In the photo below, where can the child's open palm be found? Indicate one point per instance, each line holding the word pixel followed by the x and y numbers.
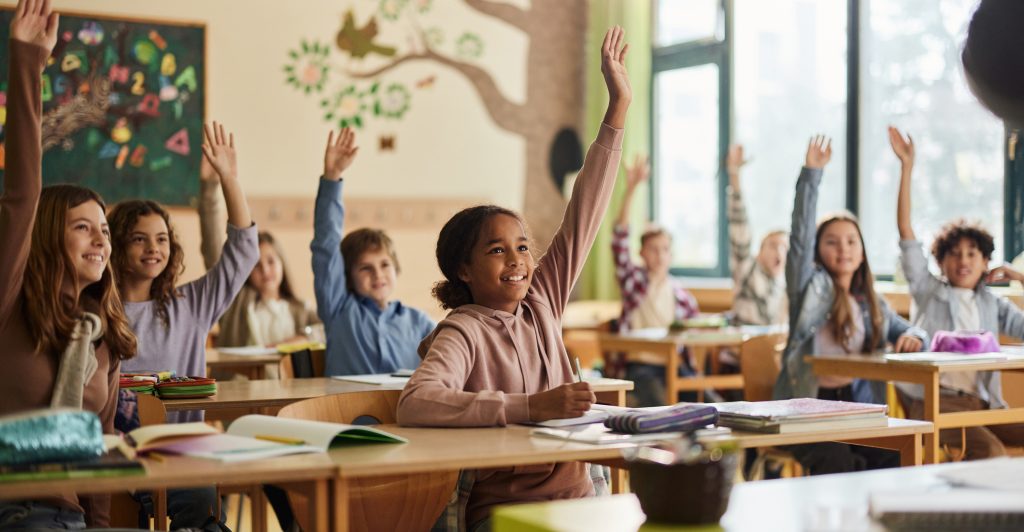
pixel 219 149
pixel 819 152
pixel 34 22
pixel 638 172
pixel 339 153
pixel 613 65
pixel 902 147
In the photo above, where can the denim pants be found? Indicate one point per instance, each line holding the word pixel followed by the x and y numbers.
pixel 30 515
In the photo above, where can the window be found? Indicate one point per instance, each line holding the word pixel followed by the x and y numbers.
pixel 910 75
pixel 788 69
pixel 789 63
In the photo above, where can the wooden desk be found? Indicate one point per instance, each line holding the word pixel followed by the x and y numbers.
pixel 876 367
pixel 252 366
pixel 701 343
pixel 310 473
pixel 263 394
pixel 825 502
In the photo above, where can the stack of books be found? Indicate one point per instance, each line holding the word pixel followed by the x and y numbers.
pixel 800 415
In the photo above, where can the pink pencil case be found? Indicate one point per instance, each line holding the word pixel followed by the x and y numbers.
pixel 966 342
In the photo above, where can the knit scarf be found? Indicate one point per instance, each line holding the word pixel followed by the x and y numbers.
pixel 77 363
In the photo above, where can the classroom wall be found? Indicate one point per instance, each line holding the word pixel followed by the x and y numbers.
pixel 448 152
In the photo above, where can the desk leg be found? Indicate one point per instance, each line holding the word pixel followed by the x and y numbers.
pixel 931 413
pixel 672 375
pixel 318 508
pixel 160 510
pixel 614 398
pixel 339 494
pixel 620 480
pixel 909 447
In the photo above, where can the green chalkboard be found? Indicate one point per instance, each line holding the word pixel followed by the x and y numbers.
pixel 123 106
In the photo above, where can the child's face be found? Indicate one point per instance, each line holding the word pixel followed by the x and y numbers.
pixel 266 277
pixel 501 267
pixel 772 256
pixel 656 253
pixel 841 249
pixel 149 247
pixel 964 265
pixel 374 276
pixel 87 241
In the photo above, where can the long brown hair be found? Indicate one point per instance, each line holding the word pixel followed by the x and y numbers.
pixel 123 218
pixel 285 290
pixel 49 311
pixel 861 286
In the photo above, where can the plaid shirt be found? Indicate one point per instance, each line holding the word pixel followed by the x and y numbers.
pixel 633 283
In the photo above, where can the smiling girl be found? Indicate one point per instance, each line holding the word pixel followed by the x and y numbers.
pixel 498 356
pixel 62 326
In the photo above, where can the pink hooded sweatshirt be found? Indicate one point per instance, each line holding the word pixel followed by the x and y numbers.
pixel 480 365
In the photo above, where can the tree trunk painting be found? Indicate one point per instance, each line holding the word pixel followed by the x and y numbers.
pixel 553 109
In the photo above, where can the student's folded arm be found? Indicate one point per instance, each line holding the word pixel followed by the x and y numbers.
pixel 435 395
pixel 800 258
pixel 23 181
pixel 921 282
pixel 213 293
pixel 211 222
pixel 328 264
pixel 739 236
pixel 560 266
pixel 1011 318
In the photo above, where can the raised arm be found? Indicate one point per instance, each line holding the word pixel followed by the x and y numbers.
pixel 219 148
pixel 636 174
pixel 904 149
pixel 559 268
pixel 328 217
pixel 211 214
pixel 33 35
pixel 800 259
pixel 736 212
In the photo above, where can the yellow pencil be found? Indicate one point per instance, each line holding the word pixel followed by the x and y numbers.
pixel 156 456
pixel 280 439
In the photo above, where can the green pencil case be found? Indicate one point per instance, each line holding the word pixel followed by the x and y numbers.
pixel 50 435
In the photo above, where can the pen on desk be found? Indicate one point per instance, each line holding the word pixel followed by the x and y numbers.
pixel 280 439
pixel 579 370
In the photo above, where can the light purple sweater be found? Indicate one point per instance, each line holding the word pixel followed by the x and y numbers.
pixel 181 346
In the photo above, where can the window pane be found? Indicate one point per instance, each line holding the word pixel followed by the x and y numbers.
pixel 912 78
pixel 686 156
pixel 789 83
pixel 686 20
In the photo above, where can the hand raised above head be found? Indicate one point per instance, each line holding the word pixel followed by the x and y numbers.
pixel 339 153
pixel 34 22
pixel 819 152
pixel 219 149
pixel 638 172
pixel 902 147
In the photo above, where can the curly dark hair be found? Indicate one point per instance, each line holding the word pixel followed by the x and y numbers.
pixel 955 231
pixel 454 248
pixel 122 220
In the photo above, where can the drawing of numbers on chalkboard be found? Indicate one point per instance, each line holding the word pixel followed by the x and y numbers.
pixel 123 106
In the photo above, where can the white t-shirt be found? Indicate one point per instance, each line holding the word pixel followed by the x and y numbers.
pixel 966 319
pixel 270 322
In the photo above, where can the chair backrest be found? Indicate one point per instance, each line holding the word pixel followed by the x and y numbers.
pixel 302 364
pixel 397 502
pixel 151 410
pixel 760 362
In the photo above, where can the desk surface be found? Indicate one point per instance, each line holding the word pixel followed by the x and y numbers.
pixel 278 393
pixel 182 472
pixel 896 427
pixel 724 336
pixel 823 363
pixel 826 502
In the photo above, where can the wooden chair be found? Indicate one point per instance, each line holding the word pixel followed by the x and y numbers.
pixel 583 344
pixel 397 502
pixel 302 364
pixel 760 363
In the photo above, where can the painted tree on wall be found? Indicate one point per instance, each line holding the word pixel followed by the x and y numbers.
pixel 552 113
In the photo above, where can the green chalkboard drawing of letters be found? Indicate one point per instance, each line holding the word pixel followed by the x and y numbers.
pixel 123 106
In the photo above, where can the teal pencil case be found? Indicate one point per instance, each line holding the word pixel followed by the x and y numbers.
pixel 50 435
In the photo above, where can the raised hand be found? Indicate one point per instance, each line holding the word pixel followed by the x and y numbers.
pixel 565 401
pixel 1002 274
pixel 613 66
pixel 908 344
pixel 34 22
pixel 638 172
pixel 219 149
pixel 819 152
pixel 339 153
pixel 734 160
pixel 206 172
pixel 902 147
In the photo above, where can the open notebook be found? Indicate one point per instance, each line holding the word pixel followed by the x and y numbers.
pixel 255 436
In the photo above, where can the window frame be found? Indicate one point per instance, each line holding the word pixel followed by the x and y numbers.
pixel 710 50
